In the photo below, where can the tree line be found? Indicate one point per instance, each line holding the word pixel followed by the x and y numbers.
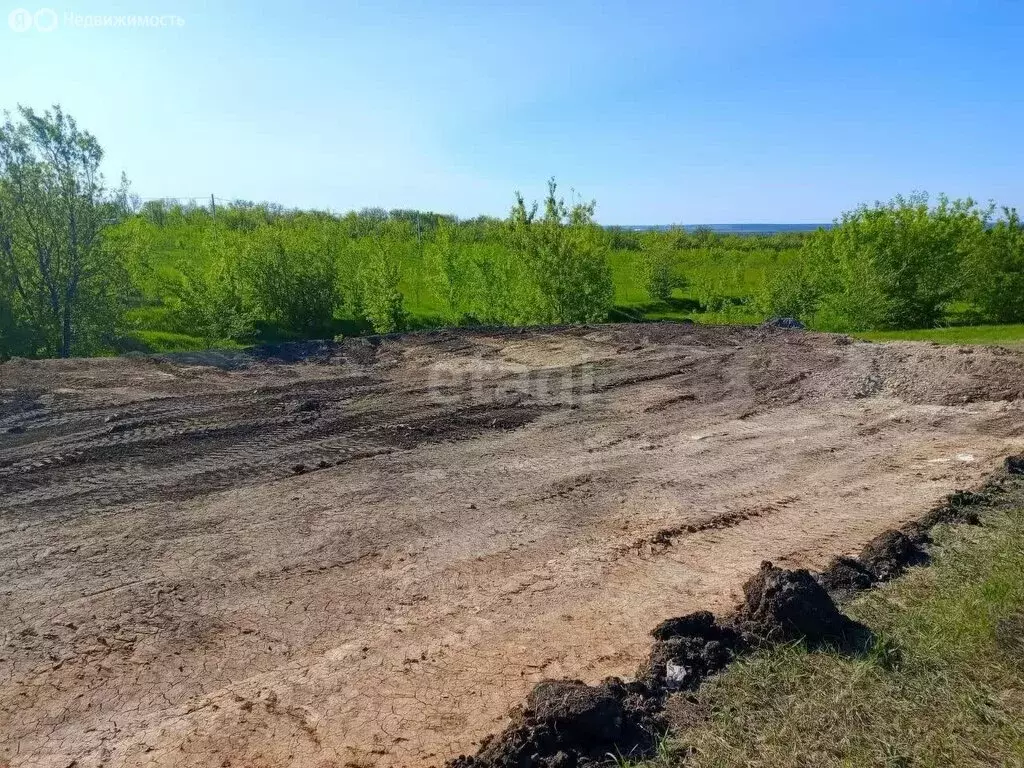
pixel 83 265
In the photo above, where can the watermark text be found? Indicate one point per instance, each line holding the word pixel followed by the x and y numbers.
pixel 48 20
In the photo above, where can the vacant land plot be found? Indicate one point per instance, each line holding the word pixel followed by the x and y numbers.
pixel 364 553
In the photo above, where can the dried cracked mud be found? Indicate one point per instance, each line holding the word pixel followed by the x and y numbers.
pixel 363 554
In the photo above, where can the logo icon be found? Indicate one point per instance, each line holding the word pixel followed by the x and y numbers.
pixel 46 19
pixel 20 20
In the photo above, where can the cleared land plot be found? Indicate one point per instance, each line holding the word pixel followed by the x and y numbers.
pixel 495 508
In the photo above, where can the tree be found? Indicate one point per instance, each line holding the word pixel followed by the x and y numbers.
pixel 378 278
pixel 208 293
pixel 293 270
pixel 451 271
pixel 995 271
pixel 790 291
pixel 659 265
pixel 893 265
pixel 62 279
pixel 562 264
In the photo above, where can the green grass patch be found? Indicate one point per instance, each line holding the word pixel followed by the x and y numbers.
pixel 165 341
pixel 942 686
pixel 969 334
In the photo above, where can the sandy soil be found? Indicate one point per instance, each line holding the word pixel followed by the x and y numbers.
pixel 493 509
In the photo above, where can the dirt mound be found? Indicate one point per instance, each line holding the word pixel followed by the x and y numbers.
pixel 687 650
pixel 699 623
pixel 567 723
pixel 782 605
pixel 790 323
pixel 888 555
pixel 845 574
pixel 959 509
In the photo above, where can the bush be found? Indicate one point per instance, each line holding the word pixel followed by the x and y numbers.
pixel 659 266
pixel 996 271
pixel 378 277
pixel 894 265
pixel 206 294
pixel 453 274
pixel 292 274
pixel 559 266
pixel 790 291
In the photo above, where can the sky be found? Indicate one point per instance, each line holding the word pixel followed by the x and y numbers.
pixel 674 111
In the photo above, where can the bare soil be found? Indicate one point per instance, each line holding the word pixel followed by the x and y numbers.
pixel 363 554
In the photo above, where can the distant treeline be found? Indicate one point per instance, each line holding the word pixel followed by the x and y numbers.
pixel 86 270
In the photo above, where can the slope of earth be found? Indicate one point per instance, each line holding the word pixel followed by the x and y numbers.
pixel 364 553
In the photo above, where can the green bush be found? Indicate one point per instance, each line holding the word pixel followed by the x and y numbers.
pixel 292 275
pixel 996 271
pixel 560 270
pixel 790 291
pixel 660 265
pixel 893 265
pixel 453 273
pixel 378 277
pixel 206 294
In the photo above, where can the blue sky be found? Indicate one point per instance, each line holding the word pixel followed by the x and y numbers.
pixel 685 111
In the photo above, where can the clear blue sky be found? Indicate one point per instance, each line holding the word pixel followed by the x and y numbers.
pixel 669 111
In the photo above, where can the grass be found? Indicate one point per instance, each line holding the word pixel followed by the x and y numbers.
pixel 160 342
pixel 970 334
pixel 942 686
pixel 732 277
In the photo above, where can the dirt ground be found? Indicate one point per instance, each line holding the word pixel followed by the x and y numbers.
pixel 362 554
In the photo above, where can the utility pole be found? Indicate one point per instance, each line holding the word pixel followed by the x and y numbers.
pixel 213 206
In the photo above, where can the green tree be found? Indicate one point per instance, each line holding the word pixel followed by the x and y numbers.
pixel 791 290
pixel 893 265
pixel 451 270
pixel 996 271
pixel 64 283
pixel 208 292
pixel 561 273
pixel 660 265
pixel 293 273
pixel 378 278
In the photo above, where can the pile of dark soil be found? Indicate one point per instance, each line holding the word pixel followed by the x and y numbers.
pixel 790 323
pixel 959 509
pixel 569 724
pixel 885 557
pixel 890 554
pixel 783 606
pixel 846 574
pixel 687 650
